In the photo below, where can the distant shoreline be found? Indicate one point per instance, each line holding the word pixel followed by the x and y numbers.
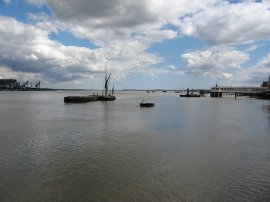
pixel 63 89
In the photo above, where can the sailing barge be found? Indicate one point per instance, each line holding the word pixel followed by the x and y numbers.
pixel 106 96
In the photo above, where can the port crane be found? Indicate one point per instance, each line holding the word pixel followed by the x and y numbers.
pixel 37 85
pixel 24 84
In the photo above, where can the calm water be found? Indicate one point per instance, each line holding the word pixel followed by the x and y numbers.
pixel 183 149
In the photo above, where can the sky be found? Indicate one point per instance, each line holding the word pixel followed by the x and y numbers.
pixel 149 44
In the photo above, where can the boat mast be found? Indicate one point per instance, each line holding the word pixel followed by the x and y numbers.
pixel 106 82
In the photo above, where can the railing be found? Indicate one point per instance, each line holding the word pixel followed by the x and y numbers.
pixel 243 90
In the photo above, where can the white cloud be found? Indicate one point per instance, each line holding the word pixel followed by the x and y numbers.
pixel 27 48
pixel 265 62
pixel 253 76
pixel 230 23
pixel 7 1
pixel 122 13
pixel 102 21
pixel 6 72
pixel 36 2
pixel 124 30
pixel 217 62
pixel 260 72
pixel 154 72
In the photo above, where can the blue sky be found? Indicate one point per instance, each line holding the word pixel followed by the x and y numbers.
pixel 149 44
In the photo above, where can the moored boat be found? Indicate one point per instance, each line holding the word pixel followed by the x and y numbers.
pixel 146 104
pixel 187 94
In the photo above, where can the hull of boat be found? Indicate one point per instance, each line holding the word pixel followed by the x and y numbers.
pixel 107 98
pixel 147 104
pixel 80 99
pixel 189 95
pixel 88 98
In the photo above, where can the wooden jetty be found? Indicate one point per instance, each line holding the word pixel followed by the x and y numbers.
pixel 218 91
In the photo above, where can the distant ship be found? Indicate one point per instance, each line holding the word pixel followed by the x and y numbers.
pixel 187 94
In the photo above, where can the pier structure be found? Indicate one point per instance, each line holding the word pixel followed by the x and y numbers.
pixel 218 91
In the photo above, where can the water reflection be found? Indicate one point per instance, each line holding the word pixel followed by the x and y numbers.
pixel 266 108
pixel 181 150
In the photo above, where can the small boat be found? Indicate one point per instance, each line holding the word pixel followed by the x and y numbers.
pixel 146 104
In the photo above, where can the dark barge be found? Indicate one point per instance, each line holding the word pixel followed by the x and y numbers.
pixel 88 98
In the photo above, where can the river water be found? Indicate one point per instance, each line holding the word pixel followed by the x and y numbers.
pixel 183 149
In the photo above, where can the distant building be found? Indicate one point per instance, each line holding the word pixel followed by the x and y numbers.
pixel 8 83
pixel 266 83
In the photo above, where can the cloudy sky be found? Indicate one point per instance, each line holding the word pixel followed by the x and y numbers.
pixel 169 44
